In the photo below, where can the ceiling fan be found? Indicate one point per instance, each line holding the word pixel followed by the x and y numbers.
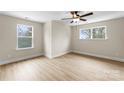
pixel 76 17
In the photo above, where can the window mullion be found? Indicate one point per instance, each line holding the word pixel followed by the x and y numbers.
pixel 91 33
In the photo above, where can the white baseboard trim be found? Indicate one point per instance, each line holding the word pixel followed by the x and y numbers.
pixel 100 56
pixel 60 54
pixel 19 59
pixel 48 56
pixel 31 56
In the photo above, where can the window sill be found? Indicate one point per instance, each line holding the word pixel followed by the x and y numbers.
pixel 94 39
pixel 24 48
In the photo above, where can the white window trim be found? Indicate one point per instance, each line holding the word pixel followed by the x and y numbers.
pixel 106 37
pixel 26 37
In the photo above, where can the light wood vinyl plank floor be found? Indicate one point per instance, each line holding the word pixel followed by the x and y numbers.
pixel 65 68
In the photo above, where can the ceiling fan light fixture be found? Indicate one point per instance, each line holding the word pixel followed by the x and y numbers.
pixel 76 20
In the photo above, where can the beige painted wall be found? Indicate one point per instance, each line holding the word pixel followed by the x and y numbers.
pixel 112 47
pixel 61 38
pixel 57 37
pixel 8 38
pixel 47 39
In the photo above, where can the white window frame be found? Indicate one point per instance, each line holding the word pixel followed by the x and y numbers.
pixel 17 48
pixel 106 37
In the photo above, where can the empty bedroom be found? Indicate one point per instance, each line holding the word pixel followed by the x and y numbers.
pixel 61 45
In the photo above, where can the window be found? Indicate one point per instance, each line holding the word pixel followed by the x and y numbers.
pixel 24 36
pixel 85 33
pixel 99 33
pixel 94 33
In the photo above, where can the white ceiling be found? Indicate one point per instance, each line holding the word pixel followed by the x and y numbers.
pixel 43 16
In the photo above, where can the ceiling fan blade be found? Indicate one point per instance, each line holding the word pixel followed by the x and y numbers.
pixel 91 13
pixel 71 21
pixel 76 12
pixel 83 19
pixel 78 15
pixel 66 18
pixel 72 12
